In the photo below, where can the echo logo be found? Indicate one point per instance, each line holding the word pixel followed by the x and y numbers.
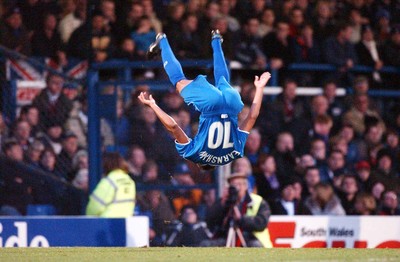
pixel 21 238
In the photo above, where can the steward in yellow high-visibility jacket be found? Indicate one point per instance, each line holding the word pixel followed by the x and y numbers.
pixel 114 196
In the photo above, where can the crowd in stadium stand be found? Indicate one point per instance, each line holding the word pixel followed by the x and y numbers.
pixel 319 155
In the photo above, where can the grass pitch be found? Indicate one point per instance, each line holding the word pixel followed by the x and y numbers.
pixel 196 254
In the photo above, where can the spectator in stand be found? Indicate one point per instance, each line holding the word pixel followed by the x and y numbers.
pixel 364 176
pixel 391 52
pixel 64 165
pixel 253 146
pixel 382 26
pixel 377 190
pixel 53 105
pixel 284 155
pixel 323 21
pixel 356 22
pixel 318 151
pixel 278 46
pixel 336 106
pixel 122 126
pixel 267 22
pixel 127 51
pixel 187 44
pixel 267 179
pixel 52 136
pixel 48 161
pixel 150 173
pixel 181 197
pixel 365 204
pixel 143 36
pixel 369 146
pixel 390 204
pixel 73 20
pixel 287 204
pixel 78 124
pixel 392 144
pixel 221 23
pixel 172 102
pixel 157 205
pixel 296 18
pixel 80 162
pixel 131 22
pixel 233 24
pixel 243 165
pixel 32 156
pixel 335 167
pixel 321 127
pixel 148 10
pixel 13 33
pixel 136 158
pixel 4 132
pixel 339 51
pixel 305 161
pixel 384 171
pixel 359 113
pixel 346 132
pixel 369 53
pixel 175 12
pixel 248 50
pixel 100 36
pixel 324 201
pixel 30 114
pixel 81 180
pixel 13 150
pixel 347 193
pixel 46 41
pixel 190 232
pixel 22 134
pixel 311 179
pixel 107 8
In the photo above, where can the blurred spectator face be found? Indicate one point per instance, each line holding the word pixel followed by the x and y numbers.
pixel 396 38
pixel 318 149
pixel 184 118
pixel 14 21
pixel 128 45
pixel 48 159
pixel 54 132
pixel 193 6
pixel 306 161
pixel 209 197
pixel 377 190
pixel 330 91
pixel 22 131
pixel 177 11
pixel 224 7
pixel 252 26
pixel 374 135
pixel 323 10
pixel 392 140
pixel 97 23
pixel 269 165
pixel 242 165
pixel 154 197
pixel 32 116
pixel 221 24
pixel 15 152
pixel 363 174
pixel 349 185
pixel 50 22
pixel 285 143
pixel 173 100
pixel 258 5
pixel 212 10
pixel 368 35
pixel 341 145
pixel 320 105
pixel 297 17
pixel 81 180
pixel 362 103
pixel 191 23
pixel 288 193
pixel 35 150
pixel 151 174
pixel 148 115
pixel 385 163
pixel 346 33
pixel 241 185
pixel 361 85
pixel 55 84
pixel 147 7
pixel 189 216
pixel 70 145
pixel 108 9
pixel 336 161
pixel 390 200
pixel 83 162
pixel 138 157
pixel 282 31
pixel 297 188
pixel 289 91
pixel 253 142
pixel 312 177
pixel 136 12
pixel 268 17
pixel 347 133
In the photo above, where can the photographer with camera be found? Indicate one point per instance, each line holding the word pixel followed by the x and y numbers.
pixel 240 216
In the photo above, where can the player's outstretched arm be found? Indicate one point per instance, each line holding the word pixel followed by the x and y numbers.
pixel 168 122
pixel 259 83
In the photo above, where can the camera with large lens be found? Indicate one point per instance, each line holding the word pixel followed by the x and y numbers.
pixel 233 195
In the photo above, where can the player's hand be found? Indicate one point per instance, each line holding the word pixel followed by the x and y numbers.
pixel 261 81
pixel 146 99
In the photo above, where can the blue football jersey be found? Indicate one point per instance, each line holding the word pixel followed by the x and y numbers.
pixel 218 140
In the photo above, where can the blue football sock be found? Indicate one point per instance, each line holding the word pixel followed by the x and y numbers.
pixel 220 67
pixel 170 63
